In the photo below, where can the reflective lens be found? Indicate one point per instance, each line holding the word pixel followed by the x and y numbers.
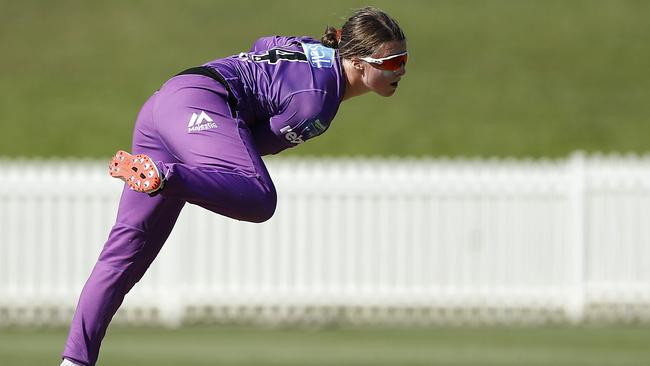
pixel 390 63
pixel 393 64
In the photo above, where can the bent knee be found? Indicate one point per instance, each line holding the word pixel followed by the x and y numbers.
pixel 263 208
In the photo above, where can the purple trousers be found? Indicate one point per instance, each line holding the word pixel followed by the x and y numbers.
pixel 208 158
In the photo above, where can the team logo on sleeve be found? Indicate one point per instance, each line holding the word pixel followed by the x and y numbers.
pixel 310 129
pixel 291 135
pixel 318 55
pixel 314 128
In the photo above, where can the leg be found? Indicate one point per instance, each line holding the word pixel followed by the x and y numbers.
pixel 131 248
pixel 142 226
pixel 217 168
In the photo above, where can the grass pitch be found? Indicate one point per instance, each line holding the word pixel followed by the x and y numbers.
pixel 237 346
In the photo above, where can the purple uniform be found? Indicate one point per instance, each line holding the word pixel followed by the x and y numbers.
pixel 282 92
pixel 289 89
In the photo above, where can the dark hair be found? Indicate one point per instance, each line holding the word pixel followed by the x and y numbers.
pixel 363 33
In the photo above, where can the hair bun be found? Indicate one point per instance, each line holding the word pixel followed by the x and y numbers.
pixel 331 37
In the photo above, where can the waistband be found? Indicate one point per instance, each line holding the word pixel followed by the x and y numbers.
pixel 211 73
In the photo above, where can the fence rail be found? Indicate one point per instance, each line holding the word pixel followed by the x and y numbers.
pixel 352 240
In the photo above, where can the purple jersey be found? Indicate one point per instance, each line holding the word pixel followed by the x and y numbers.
pixel 288 89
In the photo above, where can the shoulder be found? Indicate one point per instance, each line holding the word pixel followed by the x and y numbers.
pixel 268 42
pixel 305 99
pixel 310 102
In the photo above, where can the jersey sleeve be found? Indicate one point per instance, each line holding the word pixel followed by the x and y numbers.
pixel 302 118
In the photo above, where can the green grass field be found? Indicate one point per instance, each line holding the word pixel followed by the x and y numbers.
pixel 488 78
pixel 236 346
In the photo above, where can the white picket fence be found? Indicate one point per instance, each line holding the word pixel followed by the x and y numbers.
pixel 356 240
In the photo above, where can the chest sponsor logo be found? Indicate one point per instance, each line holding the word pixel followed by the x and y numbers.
pixel 318 55
pixel 200 122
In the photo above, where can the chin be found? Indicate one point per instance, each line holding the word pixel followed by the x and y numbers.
pixel 385 92
pixel 389 93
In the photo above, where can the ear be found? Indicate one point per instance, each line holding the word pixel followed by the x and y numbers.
pixel 357 64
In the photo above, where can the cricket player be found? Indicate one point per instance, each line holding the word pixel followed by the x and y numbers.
pixel 201 136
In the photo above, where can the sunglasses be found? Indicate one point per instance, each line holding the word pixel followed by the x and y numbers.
pixel 390 63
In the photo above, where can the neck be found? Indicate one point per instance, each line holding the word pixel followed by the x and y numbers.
pixel 353 84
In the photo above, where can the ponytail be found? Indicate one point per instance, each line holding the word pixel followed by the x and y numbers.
pixel 331 37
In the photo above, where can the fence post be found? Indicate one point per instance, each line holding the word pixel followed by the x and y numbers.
pixel 575 305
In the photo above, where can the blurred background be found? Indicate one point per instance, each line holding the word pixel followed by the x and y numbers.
pixel 493 212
